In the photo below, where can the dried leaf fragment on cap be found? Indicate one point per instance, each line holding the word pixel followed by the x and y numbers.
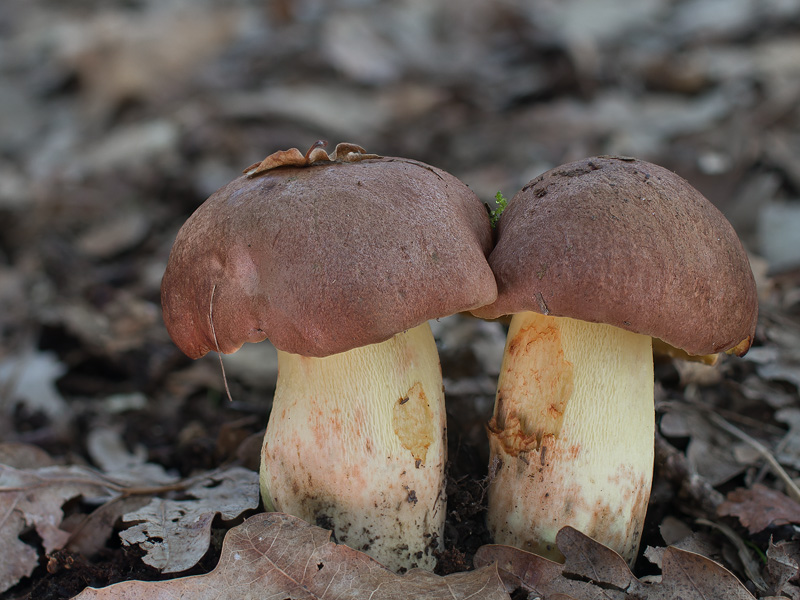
pixel 344 152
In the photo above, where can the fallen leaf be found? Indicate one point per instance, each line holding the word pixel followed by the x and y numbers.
pixel 23 456
pixel 689 575
pixel 109 452
pixel 781 371
pixel 37 495
pixel 593 571
pixel 779 235
pixel 772 394
pixel 176 533
pixel 783 565
pixel 119 233
pixel 591 560
pixel 274 555
pixel 30 378
pixel 535 574
pixel 123 55
pixel 760 507
pixel 678 534
pixel 123 324
pixel 89 533
pixel 33 498
pixel 356 110
pixel 18 558
pixel 787 451
pixel 709 453
pixel 750 564
pixel 673 530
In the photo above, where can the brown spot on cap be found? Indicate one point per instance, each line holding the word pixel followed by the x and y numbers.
pixel 630 244
pixel 318 264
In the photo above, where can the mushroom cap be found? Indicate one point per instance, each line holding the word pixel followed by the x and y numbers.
pixel 325 258
pixel 627 243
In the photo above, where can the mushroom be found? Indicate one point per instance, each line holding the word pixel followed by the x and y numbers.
pixel 595 259
pixel 340 260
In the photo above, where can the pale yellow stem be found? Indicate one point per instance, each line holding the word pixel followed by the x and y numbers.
pixel 572 435
pixel 356 443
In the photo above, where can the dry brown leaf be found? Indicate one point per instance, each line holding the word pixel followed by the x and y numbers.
pixel 678 534
pixel 749 563
pixel 759 507
pixel 23 456
pixel 787 451
pixel 689 575
pixel 710 453
pixel 277 555
pixel 176 533
pixel 33 498
pixel 37 495
pixel 18 559
pixel 533 573
pixel 591 560
pixel 119 55
pixel 118 233
pixel 783 565
pixel 110 454
pixel 344 152
pixel 593 571
pixel 30 379
pixel 89 533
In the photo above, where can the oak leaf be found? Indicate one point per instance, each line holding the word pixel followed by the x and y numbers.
pixel 176 533
pixel 593 571
pixel 760 507
pixel 32 499
pixel 274 555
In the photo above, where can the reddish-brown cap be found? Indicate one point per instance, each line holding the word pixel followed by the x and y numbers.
pixel 628 243
pixel 326 257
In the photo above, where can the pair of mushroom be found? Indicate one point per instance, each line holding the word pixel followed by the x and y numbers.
pixel 341 259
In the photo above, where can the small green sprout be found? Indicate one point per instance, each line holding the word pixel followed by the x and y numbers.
pixel 494 213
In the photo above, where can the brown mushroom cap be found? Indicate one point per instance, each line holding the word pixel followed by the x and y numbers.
pixel 627 243
pixel 325 258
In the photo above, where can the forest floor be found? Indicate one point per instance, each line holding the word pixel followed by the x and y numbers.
pixel 117 119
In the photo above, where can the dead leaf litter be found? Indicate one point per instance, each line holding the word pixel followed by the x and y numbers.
pixel 124 464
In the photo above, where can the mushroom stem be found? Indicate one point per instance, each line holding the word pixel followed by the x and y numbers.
pixel 356 443
pixel 572 435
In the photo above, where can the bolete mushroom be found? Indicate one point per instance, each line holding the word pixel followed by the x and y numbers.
pixel 340 260
pixel 594 259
